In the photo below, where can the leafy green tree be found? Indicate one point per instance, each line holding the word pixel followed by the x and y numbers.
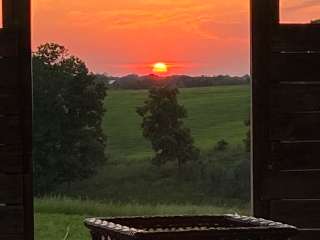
pixel 68 141
pixel 163 125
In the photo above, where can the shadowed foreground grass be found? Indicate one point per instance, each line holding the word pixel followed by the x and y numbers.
pixel 55 217
pixel 56 226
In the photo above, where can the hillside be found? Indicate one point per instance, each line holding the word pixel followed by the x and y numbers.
pixel 214 113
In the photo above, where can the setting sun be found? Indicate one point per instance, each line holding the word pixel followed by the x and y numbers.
pixel 160 68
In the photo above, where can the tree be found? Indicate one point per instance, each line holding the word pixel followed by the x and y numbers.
pixel 68 141
pixel 162 124
pixel 221 145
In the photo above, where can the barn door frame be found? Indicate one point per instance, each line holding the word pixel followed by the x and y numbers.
pixel 285 119
pixel 264 18
pixel 16 111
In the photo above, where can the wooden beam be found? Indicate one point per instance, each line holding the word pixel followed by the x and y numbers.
pixel 24 11
pixel 11 159
pixel 16 79
pixel 11 221
pixel 291 185
pixel 295 98
pixel 9 102
pixel 264 16
pixel 300 213
pixel 308 234
pixel 11 189
pixel 9 73
pixel 8 13
pixel 307 70
pixel 296 155
pixel 296 37
pixel 296 126
pixel 8 43
pixel 10 128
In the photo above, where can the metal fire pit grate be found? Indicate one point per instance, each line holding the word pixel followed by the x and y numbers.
pixel 225 227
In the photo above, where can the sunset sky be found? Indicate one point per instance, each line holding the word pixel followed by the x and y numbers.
pixel 194 37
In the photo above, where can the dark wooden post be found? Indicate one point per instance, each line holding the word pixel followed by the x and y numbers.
pixel 286 119
pixel 264 15
pixel 16 197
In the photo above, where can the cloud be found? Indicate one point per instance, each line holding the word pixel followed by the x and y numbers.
pixel 190 16
pixel 131 18
pixel 110 33
pixel 300 4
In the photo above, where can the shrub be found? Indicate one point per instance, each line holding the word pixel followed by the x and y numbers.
pixel 221 145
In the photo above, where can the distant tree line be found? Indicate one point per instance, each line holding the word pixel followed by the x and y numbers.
pixel 134 81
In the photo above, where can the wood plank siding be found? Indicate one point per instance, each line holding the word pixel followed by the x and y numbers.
pixel 16 196
pixel 286 119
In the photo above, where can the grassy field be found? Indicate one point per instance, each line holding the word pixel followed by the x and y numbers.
pixel 129 185
pixel 214 113
pixel 57 217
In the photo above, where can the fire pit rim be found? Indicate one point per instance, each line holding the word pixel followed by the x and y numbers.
pixel 257 226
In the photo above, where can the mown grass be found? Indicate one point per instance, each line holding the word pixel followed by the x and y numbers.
pixel 49 226
pixel 68 206
pixel 130 186
pixel 214 113
pixel 56 217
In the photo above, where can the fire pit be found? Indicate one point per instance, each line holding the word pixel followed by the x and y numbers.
pixel 224 227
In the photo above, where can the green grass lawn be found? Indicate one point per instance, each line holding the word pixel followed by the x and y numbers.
pixel 55 217
pixel 49 226
pixel 214 113
pixel 139 188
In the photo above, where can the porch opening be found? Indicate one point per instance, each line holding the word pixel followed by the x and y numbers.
pixel 200 48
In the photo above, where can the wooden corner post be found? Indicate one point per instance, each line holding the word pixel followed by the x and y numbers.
pixel 286 119
pixel 16 196
pixel 264 16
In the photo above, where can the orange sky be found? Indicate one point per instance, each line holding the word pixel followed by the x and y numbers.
pixel 126 36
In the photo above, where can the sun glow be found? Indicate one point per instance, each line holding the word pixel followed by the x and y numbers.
pixel 160 67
